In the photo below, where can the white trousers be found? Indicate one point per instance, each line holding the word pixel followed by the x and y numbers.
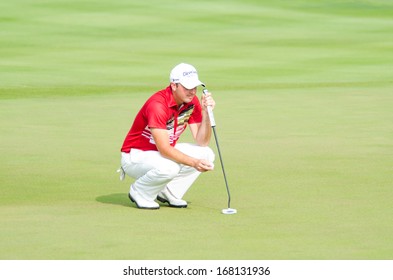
pixel 153 172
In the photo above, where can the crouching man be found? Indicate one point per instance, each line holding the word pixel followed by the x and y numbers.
pixel 163 169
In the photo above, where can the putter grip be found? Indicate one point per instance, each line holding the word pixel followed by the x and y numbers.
pixel 210 112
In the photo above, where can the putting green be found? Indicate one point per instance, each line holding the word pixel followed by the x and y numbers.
pixel 304 120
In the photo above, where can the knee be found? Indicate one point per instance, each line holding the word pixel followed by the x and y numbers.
pixel 209 154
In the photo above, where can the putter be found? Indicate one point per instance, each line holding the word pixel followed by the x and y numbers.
pixel 228 210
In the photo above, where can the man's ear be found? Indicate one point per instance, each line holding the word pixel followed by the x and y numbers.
pixel 173 86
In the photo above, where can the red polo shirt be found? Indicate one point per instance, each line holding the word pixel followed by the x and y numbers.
pixel 161 111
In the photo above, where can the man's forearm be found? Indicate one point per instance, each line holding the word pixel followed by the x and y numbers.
pixel 173 154
pixel 205 131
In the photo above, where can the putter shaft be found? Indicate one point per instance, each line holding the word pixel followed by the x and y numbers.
pixel 213 125
pixel 222 167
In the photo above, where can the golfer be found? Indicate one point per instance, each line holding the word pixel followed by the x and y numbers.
pixel 164 169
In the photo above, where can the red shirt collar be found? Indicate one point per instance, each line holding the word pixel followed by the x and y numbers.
pixel 171 100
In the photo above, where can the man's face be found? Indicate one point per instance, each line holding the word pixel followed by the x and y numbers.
pixel 181 94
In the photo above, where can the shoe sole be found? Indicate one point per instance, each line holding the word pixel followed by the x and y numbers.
pixel 163 200
pixel 133 200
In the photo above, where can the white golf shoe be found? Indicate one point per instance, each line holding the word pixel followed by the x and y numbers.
pixel 165 196
pixel 140 201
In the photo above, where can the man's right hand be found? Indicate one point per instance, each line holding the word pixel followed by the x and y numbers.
pixel 203 165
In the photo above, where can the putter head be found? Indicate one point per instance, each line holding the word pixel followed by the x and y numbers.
pixel 229 211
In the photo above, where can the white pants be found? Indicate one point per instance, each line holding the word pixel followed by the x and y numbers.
pixel 153 172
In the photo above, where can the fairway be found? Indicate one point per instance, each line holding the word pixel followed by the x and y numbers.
pixel 304 93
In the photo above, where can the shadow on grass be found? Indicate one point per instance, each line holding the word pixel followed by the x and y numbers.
pixel 122 200
pixel 116 199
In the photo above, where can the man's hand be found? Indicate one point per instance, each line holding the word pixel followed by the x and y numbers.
pixel 207 100
pixel 203 165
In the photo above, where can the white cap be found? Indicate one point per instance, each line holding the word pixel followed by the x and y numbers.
pixel 186 75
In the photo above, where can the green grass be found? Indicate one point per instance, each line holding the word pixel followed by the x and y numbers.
pixel 304 92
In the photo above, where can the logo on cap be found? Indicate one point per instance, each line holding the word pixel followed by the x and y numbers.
pixel 189 72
